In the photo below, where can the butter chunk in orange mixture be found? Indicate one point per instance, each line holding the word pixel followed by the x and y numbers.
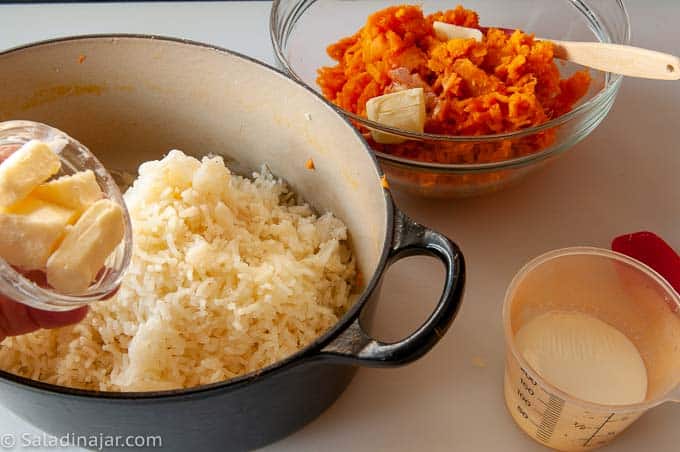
pixel 506 82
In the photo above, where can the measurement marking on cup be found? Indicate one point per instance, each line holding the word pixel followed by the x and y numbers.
pixel 526 416
pixel 526 387
pixel 524 399
pixel 598 429
pixel 551 415
pixel 621 419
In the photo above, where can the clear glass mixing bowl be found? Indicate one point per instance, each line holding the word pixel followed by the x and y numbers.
pixel 302 29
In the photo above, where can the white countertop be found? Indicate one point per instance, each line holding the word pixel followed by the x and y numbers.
pixel 623 178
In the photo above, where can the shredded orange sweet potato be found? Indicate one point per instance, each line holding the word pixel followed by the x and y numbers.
pixel 505 83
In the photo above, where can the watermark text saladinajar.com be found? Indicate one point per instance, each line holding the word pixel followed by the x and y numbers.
pixel 26 441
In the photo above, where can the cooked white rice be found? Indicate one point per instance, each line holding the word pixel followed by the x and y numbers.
pixel 228 275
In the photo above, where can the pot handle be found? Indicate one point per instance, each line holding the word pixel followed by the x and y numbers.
pixel 355 346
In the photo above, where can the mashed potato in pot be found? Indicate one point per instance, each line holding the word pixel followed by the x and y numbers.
pixel 228 275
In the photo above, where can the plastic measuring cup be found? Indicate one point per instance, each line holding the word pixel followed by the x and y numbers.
pixel 618 290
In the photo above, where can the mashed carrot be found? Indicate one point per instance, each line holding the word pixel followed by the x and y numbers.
pixel 507 82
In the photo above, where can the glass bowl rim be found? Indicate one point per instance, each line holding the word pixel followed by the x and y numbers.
pixel 612 84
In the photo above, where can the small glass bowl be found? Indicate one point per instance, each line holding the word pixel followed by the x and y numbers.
pixel 302 29
pixel 74 157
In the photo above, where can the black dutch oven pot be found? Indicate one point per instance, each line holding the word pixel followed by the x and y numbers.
pixel 135 97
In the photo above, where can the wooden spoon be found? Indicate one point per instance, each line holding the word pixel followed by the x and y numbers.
pixel 620 59
pixel 616 58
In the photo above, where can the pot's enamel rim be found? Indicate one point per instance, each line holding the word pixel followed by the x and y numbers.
pixel 311 351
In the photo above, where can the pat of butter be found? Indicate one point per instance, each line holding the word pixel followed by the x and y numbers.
pixel 584 357
pixel 31 229
pixel 87 244
pixel 76 191
pixel 445 31
pixel 31 165
pixel 402 110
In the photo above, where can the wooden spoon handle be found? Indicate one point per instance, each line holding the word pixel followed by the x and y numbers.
pixel 620 59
